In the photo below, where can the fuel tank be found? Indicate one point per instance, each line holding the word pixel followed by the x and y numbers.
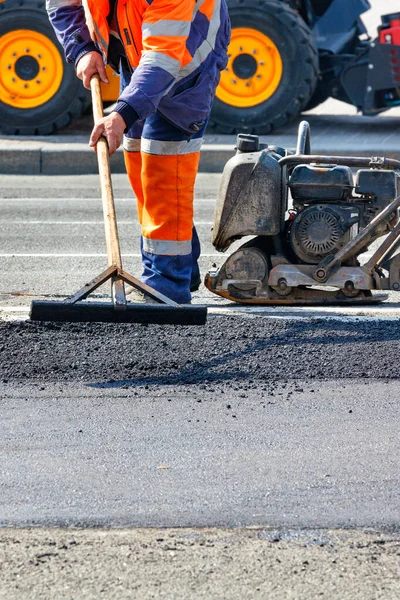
pixel 251 198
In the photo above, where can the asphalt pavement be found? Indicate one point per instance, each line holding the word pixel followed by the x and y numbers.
pixel 52 233
pixel 277 420
pixel 52 242
pixel 269 417
pixel 191 563
pixel 284 454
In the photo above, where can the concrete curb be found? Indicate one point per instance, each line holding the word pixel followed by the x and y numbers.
pixel 69 153
pixel 64 160
pixel 76 159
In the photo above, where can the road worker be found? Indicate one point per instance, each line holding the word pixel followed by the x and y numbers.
pixel 169 54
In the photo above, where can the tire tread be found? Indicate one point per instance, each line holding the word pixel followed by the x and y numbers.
pixel 74 110
pixel 309 65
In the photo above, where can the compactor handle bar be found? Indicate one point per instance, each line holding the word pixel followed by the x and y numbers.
pixel 303 155
pixel 374 162
pixel 304 139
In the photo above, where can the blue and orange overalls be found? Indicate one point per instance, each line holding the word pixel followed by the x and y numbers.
pixel 174 52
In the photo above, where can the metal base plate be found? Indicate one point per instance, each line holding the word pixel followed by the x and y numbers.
pixel 318 301
pixel 105 312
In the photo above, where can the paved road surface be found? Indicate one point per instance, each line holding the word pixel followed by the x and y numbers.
pixel 238 451
pixel 291 455
pixel 191 564
pixel 280 422
pixel 52 232
pixel 52 241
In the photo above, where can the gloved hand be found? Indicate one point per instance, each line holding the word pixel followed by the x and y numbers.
pixel 90 64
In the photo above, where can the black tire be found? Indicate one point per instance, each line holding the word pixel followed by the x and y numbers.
pixel 319 96
pixel 323 90
pixel 299 55
pixel 66 104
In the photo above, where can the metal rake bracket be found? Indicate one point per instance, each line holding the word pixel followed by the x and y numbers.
pixel 118 278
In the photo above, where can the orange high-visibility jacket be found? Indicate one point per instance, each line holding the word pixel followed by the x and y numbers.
pixel 176 49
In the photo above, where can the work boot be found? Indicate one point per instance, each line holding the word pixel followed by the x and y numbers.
pixel 195 284
pixel 138 296
pixel 195 280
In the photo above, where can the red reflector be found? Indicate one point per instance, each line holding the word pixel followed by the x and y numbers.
pixel 391 35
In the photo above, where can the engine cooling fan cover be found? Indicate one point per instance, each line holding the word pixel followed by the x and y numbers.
pixel 316 232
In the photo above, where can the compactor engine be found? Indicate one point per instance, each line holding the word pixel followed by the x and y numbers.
pixel 311 220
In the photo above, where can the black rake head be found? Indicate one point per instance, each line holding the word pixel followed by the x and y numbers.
pixel 105 312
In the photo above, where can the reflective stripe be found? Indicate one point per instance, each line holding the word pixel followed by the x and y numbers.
pixel 171 148
pixel 161 147
pixel 167 247
pixel 101 40
pixel 158 59
pixel 131 144
pixel 197 7
pixel 54 4
pixel 166 27
pixel 207 46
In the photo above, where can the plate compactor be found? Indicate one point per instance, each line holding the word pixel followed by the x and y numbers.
pixel 310 218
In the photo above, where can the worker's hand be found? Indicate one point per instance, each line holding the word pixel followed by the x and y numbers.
pixel 112 128
pixel 90 64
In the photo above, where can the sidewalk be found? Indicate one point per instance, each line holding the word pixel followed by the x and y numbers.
pixel 336 134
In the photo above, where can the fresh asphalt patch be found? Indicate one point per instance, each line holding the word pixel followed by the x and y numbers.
pixel 228 351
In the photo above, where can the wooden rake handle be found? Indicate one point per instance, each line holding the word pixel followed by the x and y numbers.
pixel 107 197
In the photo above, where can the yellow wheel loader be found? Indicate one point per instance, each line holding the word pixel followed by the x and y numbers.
pixel 285 56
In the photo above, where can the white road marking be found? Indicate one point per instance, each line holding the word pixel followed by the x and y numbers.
pixel 88 255
pixel 96 255
pixel 85 200
pixel 308 312
pixel 53 200
pixel 14 313
pixel 120 222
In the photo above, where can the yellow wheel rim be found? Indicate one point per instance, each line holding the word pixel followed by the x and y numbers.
pixel 254 69
pixel 31 69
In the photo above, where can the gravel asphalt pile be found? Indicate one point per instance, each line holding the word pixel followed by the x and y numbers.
pixel 228 351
